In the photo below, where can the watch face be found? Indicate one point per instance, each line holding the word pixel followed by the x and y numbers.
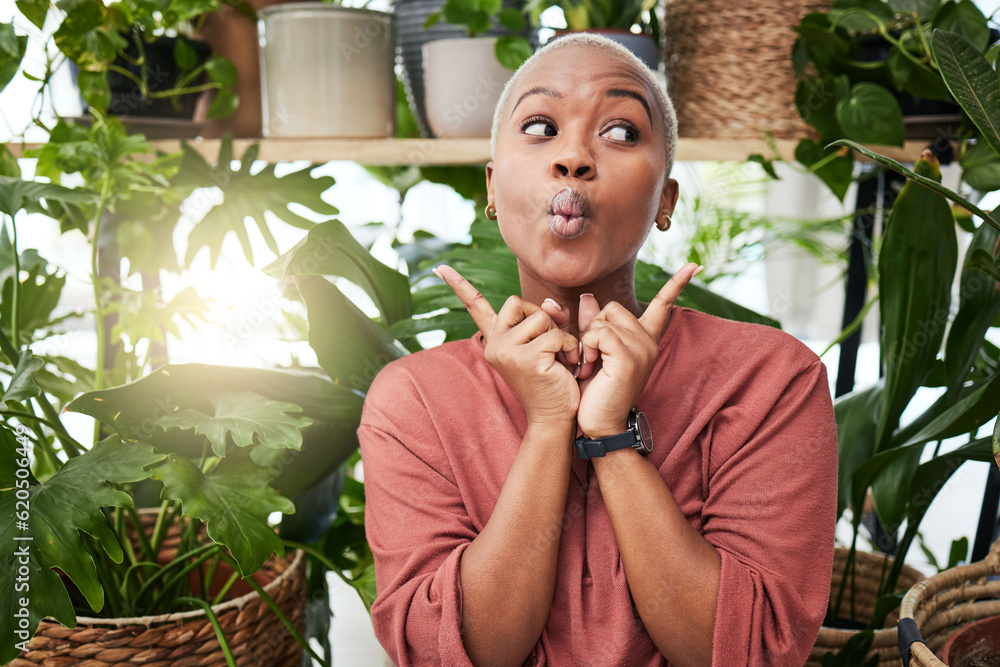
pixel 645 434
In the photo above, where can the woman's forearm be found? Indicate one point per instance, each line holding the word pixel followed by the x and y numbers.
pixel 672 571
pixel 508 573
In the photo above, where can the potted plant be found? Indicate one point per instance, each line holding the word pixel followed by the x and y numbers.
pixel 915 277
pixel 464 76
pixel 348 91
pixel 615 20
pixel 422 21
pixel 866 72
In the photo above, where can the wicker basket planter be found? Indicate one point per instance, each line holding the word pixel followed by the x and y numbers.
pixel 729 65
pixel 938 606
pixel 186 639
pixel 869 570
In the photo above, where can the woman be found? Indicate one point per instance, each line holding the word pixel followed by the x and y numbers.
pixel 514 514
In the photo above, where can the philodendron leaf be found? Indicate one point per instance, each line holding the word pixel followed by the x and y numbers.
pixel 234 500
pixel 837 171
pixel 870 114
pixel 349 345
pixel 916 268
pixel 246 419
pixel 330 249
pixel 49 518
pixel 972 81
pixel 86 37
pixel 22 385
pixel 12 48
pixel 247 195
pixel 24 571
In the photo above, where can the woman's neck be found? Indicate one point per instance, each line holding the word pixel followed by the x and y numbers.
pixel 618 286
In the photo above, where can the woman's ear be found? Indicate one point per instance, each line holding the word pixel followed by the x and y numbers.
pixel 668 196
pixel 489 181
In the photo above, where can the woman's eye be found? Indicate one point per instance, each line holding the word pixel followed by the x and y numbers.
pixel 539 129
pixel 622 133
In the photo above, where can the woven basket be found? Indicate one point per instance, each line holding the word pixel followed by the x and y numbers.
pixel 729 65
pixel 186 639
pixel 936 607
pixel 869 570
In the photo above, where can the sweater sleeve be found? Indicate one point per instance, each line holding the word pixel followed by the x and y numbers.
pixel 416 525
pixel 771 513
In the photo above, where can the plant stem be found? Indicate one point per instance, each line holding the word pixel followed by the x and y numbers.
pixel 98 298
pixel 69 444
pixel 219 634
pixel 176 92
pixel 48 422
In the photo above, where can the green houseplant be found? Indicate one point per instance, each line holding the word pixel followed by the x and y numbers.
pixel 865 66
pixel 142 49
pixel 916 269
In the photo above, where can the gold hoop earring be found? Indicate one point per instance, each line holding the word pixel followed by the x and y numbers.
pixel 664 225
pixel 491 211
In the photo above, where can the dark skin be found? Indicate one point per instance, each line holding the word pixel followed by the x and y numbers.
pixel 578 348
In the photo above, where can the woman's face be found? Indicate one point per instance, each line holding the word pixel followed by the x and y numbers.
pixel 578 177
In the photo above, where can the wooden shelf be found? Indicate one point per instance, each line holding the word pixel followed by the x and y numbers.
pixel 467 151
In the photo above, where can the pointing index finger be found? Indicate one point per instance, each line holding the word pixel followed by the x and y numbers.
pixel 657 314
pixel 479 308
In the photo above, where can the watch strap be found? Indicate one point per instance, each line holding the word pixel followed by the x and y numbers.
pixel 586 448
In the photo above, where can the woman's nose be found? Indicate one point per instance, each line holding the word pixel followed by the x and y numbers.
pixel 574 159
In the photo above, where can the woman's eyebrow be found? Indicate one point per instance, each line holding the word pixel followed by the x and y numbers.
pixel 536 90
pixel 622 92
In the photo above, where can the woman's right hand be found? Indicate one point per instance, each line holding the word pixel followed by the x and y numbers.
pixel 521 344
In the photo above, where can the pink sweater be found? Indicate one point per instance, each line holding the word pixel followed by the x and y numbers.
pixel 744 436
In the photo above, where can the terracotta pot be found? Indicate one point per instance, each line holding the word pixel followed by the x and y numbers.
pixel 974 645
pixel 233 35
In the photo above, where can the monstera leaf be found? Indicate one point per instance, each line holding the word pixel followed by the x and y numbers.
pixel 234 500
pixel 41 525
pixel 247 195
pixel 246 419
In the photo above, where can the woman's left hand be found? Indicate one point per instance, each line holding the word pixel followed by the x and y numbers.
pixel 627 349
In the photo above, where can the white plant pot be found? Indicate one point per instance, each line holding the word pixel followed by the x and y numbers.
pixel 327 71
pixel 462 84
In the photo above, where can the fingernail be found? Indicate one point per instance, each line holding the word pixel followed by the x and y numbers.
pixel 552 301
pixel 576 373
pixel 437 273
pixel 586 294
pixel 698 270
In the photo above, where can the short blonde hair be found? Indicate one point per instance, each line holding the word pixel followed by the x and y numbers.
pixel 595 41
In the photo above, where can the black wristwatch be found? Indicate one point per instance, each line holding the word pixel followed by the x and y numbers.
pixel 638 436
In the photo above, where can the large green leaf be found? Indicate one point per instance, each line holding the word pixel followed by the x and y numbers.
pixel 52 517
pixel 247 195
pixel 12 48
pixel 87 38
pixel 857 418
pixel 978 307
pixel 330 249
pixel 349 345
pixel 245 419
pixel 17 194
pixel 34 10
pixel 971 80
pixel 964 18
pixel 979 405
pixel 135 410
pixel 816 100
pixel 24 570
pixel 870 114
pixel 234 500
pixel 916 267
pixel 981 167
